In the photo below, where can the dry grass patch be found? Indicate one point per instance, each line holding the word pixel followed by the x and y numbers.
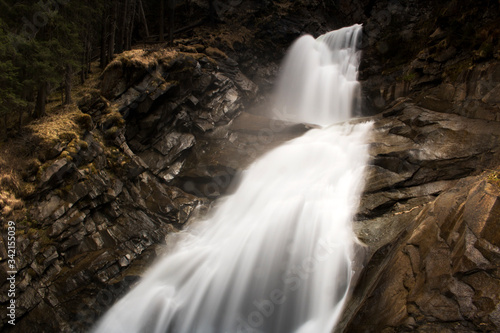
pixel 22 156
pixel 141 58
pixel 59 125
pixel 9 203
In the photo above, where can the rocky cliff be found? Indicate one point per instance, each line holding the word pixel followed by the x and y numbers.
pixel 429 226
pixel 167 129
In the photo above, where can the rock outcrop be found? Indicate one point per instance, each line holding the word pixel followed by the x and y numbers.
pixel 164 135
pixel 444 56
pixel 441 273
pixel 429 219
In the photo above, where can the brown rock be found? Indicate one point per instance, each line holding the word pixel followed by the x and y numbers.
pixel 439 273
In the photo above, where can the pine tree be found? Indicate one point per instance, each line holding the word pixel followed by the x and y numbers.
pixel 46 38
pixel 11 101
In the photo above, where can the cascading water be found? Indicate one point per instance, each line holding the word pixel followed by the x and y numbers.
pixel 319 80
pixel 275 256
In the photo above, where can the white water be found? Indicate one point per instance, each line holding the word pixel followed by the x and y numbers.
pixel 275 256
pixel 319 80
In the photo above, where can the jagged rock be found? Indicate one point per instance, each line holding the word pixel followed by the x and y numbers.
pixel 55 172
pixel 422 250
pixel 172 171
pixel 125 70
pixel 202 83
pixel 245 84
pixel 47 208
pixel 56 150
pixel 443 275
pixel 174 143
pixel 115 189
pixel 77 192
pixel 372 202
pixel 379 178
pixel 107 208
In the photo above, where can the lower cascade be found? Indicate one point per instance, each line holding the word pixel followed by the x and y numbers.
pixel 277 255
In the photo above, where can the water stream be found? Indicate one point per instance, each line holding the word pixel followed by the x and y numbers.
pixel 275 256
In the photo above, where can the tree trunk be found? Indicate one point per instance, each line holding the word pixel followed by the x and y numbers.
pixel 171 16
pixel 89 59
pixel 41 100
pixel 143 18
pixel 162 20
pixel 120 46
pixel 83 64
pixel 131 27
pixel 112 31
pixel 5 123
pixel 67 84
pixel 126 27
pixel 104 37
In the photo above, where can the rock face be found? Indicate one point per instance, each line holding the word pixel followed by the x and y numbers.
pixel 445 56
pixel 430 266
pixel 429 227
pixel 442 273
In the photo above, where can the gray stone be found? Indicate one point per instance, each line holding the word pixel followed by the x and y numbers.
pixel 246 85
pixel 170 173
pixel 114 189
pixel 55 172
pixel 46 208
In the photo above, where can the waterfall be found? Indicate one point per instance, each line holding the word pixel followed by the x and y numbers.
pixel 319 83
pixel 276 255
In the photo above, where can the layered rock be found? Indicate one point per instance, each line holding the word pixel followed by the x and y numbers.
pixel 430 228
pixel 444 56
pixel 441 273
pixel 162 141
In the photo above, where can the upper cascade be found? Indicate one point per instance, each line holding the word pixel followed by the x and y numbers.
pixel 318 83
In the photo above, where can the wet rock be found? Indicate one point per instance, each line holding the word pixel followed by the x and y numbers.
pixel 115 189
pixel 493 96
pixel 379 178
pixel 421 245
pixel 174 143
pixel 202 83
